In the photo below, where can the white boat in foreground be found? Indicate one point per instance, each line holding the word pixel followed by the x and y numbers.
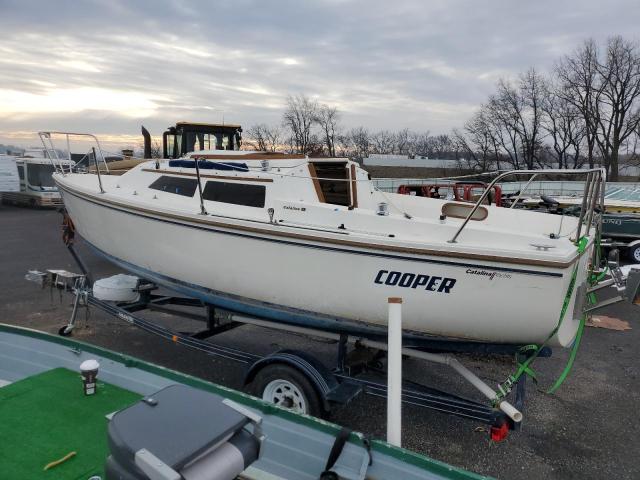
pixel 312 242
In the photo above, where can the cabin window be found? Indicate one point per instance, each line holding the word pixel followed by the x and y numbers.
pixel 195 142
pixel 170 150
pixel 178 145
pixel 208 141
pixel 200 141
pixel 21 172
pixel 333 180
pixel 235 193
pixel 177 185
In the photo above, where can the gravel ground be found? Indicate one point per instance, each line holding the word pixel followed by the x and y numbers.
pixel 588 429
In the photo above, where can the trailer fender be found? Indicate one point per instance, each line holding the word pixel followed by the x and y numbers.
pixel 322 380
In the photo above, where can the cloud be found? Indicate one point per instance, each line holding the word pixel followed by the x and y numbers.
pixel 110 65
pixel 74 100
pixel 78 65
pixel 289 61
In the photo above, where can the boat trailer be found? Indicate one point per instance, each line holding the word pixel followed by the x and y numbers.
pixel 297 379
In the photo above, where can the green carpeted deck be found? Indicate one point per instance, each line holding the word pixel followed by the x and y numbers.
pixel 44 417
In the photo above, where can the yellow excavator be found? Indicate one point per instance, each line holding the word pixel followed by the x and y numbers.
pixel 183 138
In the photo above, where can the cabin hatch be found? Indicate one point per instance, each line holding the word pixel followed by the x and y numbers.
pixel 332 182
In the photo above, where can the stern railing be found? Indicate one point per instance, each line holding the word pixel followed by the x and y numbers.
pixel 593 196
pixel 47 139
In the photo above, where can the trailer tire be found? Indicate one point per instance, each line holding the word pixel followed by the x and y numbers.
pixel 287 387
pixel 634 253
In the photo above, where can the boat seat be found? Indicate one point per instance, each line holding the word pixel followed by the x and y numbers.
pixel 179 432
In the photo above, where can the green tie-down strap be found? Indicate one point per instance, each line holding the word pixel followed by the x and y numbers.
pixel 572 356
pixel 525 367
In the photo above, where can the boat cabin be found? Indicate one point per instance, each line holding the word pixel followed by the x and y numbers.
pixel 255 179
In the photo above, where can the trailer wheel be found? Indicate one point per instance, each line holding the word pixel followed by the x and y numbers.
pixel 634 253
pixel 287 387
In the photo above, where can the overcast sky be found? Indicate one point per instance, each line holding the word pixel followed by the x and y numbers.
pixel 108 66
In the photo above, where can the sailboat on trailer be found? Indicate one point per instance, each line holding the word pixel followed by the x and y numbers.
pixel 311 241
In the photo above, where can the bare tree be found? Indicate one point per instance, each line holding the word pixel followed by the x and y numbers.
pixel 501 121
pixel 592 101
pixel 420 143
pixel 156 149
pixel 383 142
pixel 633 149
pixel 564 124
pixel 344 147
pixel 619 106
pixel 437 146
pixel 360 141
pixel 477 142
pixel 403 142
pixel 515 113
pixel 581 86
pixel 299 118
pixel 255 137
pixel 327 119
pixel 532 88
pixel 265 138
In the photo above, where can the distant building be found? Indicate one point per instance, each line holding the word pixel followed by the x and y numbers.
pixel 628 170
pixel 627 167
pixel 389 160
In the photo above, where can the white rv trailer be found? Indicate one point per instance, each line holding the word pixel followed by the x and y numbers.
pixel 37 188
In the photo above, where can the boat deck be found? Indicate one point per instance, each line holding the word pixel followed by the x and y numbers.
pixel 44 417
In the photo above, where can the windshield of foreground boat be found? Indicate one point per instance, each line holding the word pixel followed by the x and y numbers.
pixel 39 175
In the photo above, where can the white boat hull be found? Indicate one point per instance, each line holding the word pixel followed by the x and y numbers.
pixel 261 273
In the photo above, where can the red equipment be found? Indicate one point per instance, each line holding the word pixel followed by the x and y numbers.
pixel 460 191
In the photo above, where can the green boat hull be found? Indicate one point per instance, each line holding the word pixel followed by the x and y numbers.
pixel 296 446
pixel 621 226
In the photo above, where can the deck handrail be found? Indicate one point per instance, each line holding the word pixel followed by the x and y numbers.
pixel 95 160
pixel 47 142
pixel 594 188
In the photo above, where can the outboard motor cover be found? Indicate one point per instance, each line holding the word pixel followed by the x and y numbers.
pixel 117 288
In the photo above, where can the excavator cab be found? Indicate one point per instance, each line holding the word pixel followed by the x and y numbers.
pixel 188 137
